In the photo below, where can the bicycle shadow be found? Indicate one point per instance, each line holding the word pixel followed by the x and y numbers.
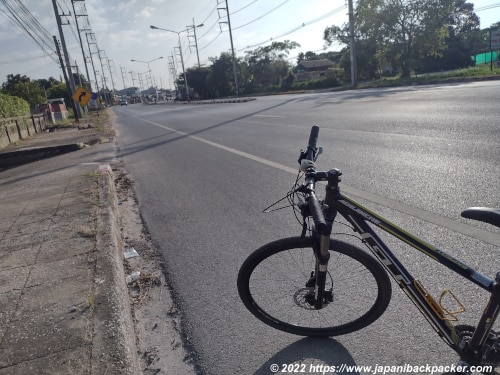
pixel 306 355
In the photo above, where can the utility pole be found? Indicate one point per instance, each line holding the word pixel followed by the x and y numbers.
pixel 124 72
pixel 133 79
pixel 111 74
pixel 171 64
pixel 141 84
pixel 134 86
pixel 183 69
pixel 354 69
pixel 76 107
pixel 195 40
pixel 80 38
pixel 68 87
pixel 92 61
pixel 104 79
pixel 232 48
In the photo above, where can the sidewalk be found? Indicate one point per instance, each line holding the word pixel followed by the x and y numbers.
pixel 64 305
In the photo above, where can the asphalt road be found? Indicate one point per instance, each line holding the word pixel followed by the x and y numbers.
pixel 204 173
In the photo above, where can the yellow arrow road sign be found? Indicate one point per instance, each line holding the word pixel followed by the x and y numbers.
pixel 82 96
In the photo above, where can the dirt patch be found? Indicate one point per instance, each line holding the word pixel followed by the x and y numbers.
pixel 156 318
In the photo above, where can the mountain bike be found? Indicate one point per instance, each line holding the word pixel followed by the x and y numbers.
pixel 316 285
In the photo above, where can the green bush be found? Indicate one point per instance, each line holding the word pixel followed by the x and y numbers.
pixel 324 83
pixel 12 106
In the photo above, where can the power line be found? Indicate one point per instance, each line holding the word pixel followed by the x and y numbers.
pixel 246 6
pixel 260 17
pixel 22 59
pixel 21 18
pixel 486 7
pixel 212 12
pixel 235 28
pixel 308 23
pixel 213 40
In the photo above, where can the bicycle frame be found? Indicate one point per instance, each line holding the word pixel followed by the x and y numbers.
pixel 361 218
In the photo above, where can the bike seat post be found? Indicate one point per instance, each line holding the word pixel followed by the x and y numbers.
pixel 481 335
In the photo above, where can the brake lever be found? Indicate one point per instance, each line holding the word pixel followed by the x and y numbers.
pixel 320 151
pixel 303 155
pixel 304 210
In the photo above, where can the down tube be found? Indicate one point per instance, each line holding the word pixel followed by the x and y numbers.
pixel 359 216
pixel 405 280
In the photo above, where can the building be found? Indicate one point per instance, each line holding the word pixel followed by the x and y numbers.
pixel 312 69
pixel 55 109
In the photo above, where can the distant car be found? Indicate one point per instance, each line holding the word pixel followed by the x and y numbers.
pixel 123 102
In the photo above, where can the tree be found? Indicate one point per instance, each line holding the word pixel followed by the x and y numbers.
pixel 81 80
pixel 404 33
pixel 9 87
pixel 273 52
pixel 267 65
pixel 464 39
pixel 23 87
pixel 220 80
pixel 367 45
pixel 495 26
pixel 198 81
pixel 414 29
pixel 59 91
pixel 309 55
pixel 288 81
pixel 48 83
pixel 13 106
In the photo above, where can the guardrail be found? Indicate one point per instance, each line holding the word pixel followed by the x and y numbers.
pixel 14 129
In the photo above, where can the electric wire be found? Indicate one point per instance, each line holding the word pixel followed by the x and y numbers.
pixel 22 19
pixel 262 16
pixel 486 7
pixel 305 24
pixel 209 43
pixel 212 12
pixel 22 59
pixel 209 29
pixel 246 6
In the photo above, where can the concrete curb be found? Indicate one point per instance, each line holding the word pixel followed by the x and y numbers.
pixel 114 349
pixel 27 155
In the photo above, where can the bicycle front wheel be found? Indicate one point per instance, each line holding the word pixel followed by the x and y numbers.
pixel 274 283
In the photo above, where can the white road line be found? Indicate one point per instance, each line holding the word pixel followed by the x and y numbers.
pixel 268 116
pixel 474 232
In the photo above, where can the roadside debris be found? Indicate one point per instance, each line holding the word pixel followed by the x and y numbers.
pixel 133 277
pixel 130 253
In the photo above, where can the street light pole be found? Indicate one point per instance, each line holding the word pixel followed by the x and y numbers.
pixel 149 69
pixel 180 51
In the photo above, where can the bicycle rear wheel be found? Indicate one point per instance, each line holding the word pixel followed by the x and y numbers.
pixel 272 285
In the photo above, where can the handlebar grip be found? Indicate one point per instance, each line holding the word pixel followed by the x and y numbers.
pixel 313 137
pixel 313 142
pixel 317 214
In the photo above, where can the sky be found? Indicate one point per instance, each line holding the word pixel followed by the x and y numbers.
pixel 121 29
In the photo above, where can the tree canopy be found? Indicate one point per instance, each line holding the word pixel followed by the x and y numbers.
pixel 402 35
pixel 23 87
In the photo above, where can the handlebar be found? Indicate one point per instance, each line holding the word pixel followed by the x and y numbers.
pixel 312 146
pixel 307 161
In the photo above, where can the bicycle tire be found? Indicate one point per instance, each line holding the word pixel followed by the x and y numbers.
pixel 271 284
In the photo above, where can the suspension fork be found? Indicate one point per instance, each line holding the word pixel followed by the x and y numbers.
pixel 323 240
pixel 321 245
